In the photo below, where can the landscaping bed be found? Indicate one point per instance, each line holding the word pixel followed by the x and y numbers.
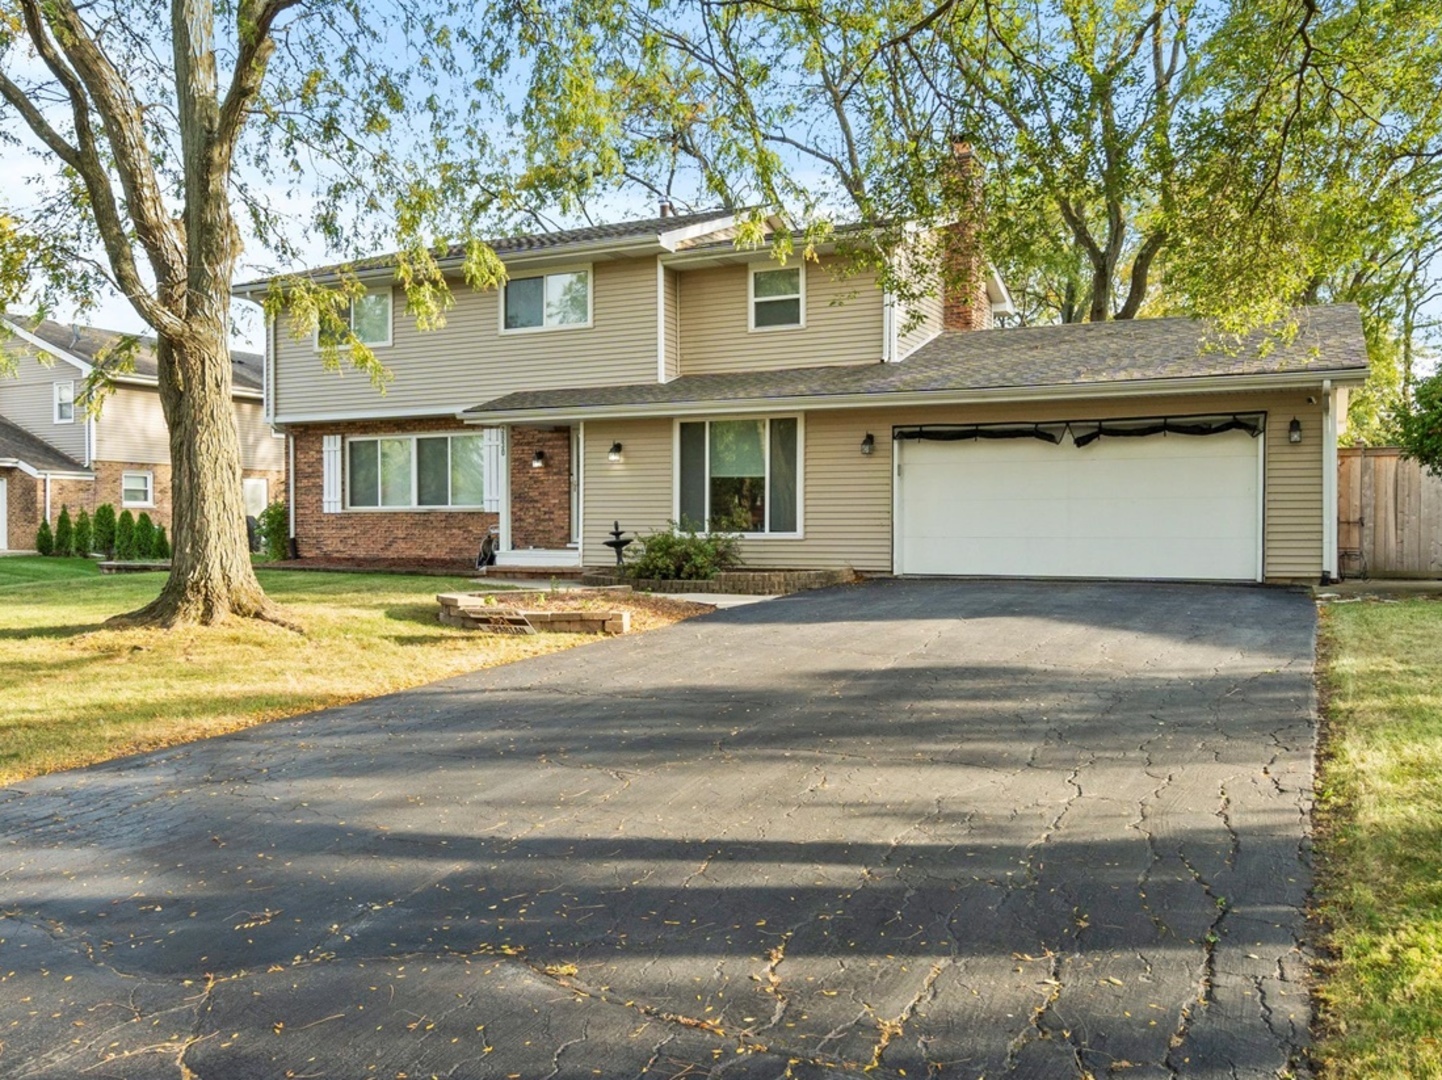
pixel 574 611
pixel 740 582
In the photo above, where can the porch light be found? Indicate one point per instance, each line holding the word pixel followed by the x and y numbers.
pixel 1294 431
pixel 868 445
pixel 614 455
pixel 539 461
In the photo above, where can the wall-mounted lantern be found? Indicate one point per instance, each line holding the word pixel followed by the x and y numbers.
pixel 868 445
pixel 1294 431
pixel 539 461
pixel 614 454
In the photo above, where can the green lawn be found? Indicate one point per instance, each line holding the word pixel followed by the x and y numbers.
pixel 73 692
pixel 1380 839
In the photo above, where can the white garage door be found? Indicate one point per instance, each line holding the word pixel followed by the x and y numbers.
pixel 1161 506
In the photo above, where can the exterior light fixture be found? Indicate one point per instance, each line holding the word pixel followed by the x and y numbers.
pixel 539 461
pixel 614 454
pixel 1294 431
pixel 868 445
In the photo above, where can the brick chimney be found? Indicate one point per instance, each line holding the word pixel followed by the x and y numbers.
pixel 965 304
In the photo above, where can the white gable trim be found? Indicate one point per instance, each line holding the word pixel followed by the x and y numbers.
pixel 53 350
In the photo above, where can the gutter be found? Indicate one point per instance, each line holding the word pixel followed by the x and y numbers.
pixel 48 474
pixel 883 399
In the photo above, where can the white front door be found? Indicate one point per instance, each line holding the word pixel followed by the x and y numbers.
pixel 1161 506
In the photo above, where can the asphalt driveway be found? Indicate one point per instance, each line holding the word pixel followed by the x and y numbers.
pixel 921 828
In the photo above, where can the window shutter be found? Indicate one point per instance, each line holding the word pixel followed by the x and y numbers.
pixel 330 474
pixel 493 447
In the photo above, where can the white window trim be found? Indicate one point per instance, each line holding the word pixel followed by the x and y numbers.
pixel 761 268
pixel 800 418
pixel 415 478
pixel 559 327
pixel 390 295
pixel 149 489
pixel 69 399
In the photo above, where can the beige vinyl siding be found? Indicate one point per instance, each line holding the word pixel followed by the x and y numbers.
pixel 848 497
pixel 259 449
pixel 635 491
pixel 132 428
pixel 27 399
pixel 928 311
pixel 468 361
pixel 673 323
pixel 844 322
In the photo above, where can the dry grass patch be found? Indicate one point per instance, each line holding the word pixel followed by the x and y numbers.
pixel 73 692
pixel 1379 843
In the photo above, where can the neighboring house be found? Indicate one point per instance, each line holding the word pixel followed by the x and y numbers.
pixel 53 453
pixel 650 372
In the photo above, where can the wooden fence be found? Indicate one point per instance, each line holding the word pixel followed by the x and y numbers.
pixel 1389 515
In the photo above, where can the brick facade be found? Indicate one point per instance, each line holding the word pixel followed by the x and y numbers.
pixel 442 535
pixel 22 513
pixel 965 303
pixel 541 498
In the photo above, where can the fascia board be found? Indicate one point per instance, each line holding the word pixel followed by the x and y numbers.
pixel 53 350
pixel 815 402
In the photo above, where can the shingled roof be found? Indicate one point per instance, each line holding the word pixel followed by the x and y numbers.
pixel 93 345
pixel 1328 342
pixel 17 444
pixel 619 233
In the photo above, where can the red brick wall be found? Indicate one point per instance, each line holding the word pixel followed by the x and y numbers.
pixel 965 305
pixel 541 498
pixel 449 535
pixel 23 503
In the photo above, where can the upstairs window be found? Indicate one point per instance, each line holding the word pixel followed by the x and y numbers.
pixel 369 319
pixel 548 301
pixel 778 298
pixel 741 475
pixel 65 402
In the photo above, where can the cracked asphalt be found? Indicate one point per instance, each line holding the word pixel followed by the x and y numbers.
pixel 960 829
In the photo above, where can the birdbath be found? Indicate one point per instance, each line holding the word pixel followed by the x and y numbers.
pixel 616 544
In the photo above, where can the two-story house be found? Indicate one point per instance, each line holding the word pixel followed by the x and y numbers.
pixel 650 372
pixel 53 453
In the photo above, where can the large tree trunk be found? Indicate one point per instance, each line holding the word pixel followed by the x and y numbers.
pixel 210 573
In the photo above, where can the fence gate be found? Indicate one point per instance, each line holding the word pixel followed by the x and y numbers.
pixel 1389 515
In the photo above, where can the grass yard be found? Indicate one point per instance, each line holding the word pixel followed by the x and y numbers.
pixel 1379 843
pixel 73 693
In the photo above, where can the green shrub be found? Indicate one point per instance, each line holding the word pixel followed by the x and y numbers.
pixel 125 536
pixel 64 534
pixel 161 549
pixel 84 535
pixel 44 539
pixel 681 553
pixel 104 526
pixel 144 537
pixel 274 524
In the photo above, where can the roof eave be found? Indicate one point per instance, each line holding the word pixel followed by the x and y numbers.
pixel 36 471
pixel 1212 384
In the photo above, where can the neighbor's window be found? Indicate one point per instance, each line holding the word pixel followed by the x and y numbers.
pixel 65 403
pixel 548 301
pixel 740 474
pixel 417 470
pixel 369 319
pixel 137 489
pixel 777 298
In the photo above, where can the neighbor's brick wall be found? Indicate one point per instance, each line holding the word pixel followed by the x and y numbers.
pixel 22 510
pixel 382 534
pixel 541 498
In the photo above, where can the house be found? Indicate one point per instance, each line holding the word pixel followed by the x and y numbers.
pixel 650 372
pixel 53 454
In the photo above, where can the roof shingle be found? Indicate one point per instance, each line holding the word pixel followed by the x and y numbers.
pixel 17 443
pixel 1328 340
pixel 93 345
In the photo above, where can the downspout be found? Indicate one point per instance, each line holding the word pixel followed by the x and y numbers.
pixel 1329 483
pixel 47 497
pixel 290 492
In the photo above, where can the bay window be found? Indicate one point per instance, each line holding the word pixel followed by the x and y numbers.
pixel 740 475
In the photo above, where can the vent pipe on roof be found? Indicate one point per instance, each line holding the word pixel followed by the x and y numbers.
pixel 74 335
pixel 667 210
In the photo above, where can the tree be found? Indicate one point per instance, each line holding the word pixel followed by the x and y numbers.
pixel 84 535
pixel 44 538
pixel 64 534
pixel 1420 426
pixel 143 112
pixel 104 525
pixel 125 537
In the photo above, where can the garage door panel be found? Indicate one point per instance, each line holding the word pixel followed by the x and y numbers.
pixel 1158 507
